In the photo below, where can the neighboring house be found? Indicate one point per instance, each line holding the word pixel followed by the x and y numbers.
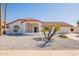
pixel 29 25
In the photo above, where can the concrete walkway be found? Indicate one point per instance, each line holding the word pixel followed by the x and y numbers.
pixel 39 52
pixel 73 36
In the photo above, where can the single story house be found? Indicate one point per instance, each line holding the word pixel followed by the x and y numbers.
pixel 29 25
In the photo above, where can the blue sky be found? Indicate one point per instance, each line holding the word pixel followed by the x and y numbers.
pixel 44 12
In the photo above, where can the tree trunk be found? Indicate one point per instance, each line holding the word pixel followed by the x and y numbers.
pixel 49 31
pixel 49 38
pixel 44 33
pixel 45 43
pixel 55 30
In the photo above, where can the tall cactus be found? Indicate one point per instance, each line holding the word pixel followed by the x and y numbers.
pixel 0 21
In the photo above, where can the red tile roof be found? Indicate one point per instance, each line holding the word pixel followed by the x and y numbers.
pixel 30 20
pixel 24 20
pixel 62 24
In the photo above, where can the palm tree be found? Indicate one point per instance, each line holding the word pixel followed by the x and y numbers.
pixel 5 19
pixel 0 21
pixel 78 22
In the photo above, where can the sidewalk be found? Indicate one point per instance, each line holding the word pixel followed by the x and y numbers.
pixel 39 53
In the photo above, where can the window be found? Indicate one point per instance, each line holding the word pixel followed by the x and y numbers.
pixel 16 28
pixel 7 27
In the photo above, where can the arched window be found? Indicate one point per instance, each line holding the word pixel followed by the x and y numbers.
pixel 16 28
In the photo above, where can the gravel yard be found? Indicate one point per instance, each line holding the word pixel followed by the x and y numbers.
pixel 27 43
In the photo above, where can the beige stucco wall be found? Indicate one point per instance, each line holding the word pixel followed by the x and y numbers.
pixel 11 27
pixel 25 26
pixel 30 27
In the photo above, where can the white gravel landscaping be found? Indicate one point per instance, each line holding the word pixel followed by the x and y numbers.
pixel 27 43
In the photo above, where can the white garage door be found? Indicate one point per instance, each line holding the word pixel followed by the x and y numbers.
pixel 63 31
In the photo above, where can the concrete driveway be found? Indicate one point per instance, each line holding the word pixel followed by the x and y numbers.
pixel 73 36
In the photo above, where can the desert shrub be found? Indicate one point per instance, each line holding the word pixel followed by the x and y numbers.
pixel 77 36
pixel 77 32
pixel 63 36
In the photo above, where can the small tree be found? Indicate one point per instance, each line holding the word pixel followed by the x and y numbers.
pixel 50 33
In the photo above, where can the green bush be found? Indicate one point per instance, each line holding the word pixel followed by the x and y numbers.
pixel 63 36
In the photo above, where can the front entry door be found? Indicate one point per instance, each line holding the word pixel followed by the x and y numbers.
pixel 35 29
